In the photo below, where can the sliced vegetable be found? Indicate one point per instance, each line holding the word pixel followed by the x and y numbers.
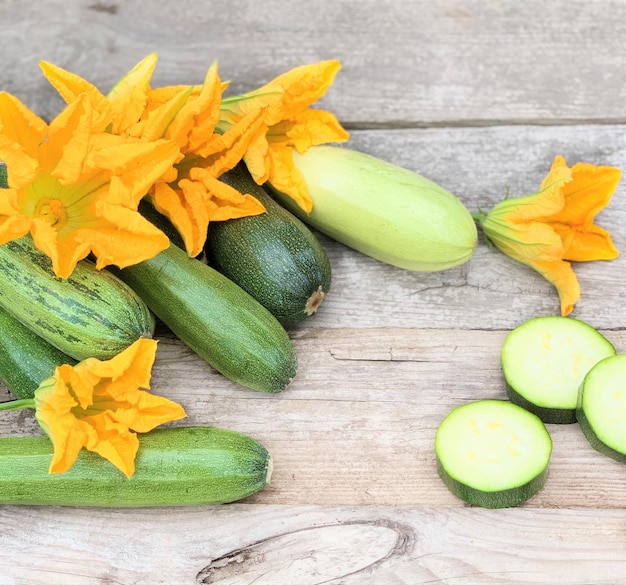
pixel 382 210
pixel 544 362
pixel 90 314
pixel 273 256
pixel 602 407
pixel 25 358
pixel 175 466
pixel 216 318
pixel 492 453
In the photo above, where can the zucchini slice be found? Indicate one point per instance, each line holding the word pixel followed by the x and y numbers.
pixel 602 407
pixel 544 362
pixel 492 453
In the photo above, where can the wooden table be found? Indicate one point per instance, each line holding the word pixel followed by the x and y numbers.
pixel 478 96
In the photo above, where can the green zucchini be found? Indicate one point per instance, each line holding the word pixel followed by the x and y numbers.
pixel 25 358
pixel 217 319
pixel 493 453
pixel 175 466
pixel 601 407
pixel 90 314
pixel 273 256
pixel 544 361
pixel 383 210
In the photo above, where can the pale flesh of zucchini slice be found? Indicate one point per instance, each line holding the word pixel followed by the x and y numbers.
pixel 492 453
pixel 544 362
pixel 602 407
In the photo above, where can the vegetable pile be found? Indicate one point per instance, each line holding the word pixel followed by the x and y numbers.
pixel 196 208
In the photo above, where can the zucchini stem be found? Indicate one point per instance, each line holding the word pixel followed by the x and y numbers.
pixel 18 404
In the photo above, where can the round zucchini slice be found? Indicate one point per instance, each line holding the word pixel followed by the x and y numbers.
pixel 492 453
pixel 602 407
pixel 544 362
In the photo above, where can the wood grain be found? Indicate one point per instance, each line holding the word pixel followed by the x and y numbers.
pixel 404 63
pixel 269 545
pixel 477 96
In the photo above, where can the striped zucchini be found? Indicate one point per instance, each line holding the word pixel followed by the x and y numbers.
pixel 175 466
pixel 90 314
pixel 217 319
pixel 25 358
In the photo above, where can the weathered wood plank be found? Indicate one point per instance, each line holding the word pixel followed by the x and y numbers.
pixel 279 545
pixel 404 63
pixel 357 425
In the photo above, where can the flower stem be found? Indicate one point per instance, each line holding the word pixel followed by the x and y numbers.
pixel 18 404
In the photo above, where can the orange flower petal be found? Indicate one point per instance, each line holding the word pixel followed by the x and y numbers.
pixel 71 86
pixel 65 252
pixel 589 192
pixel 301 87
pixel 129 96
pixel 286 178
pixel 123 238
pixel 594 243
pixel 561 275
pixel 308 128
pixel 98 404
pixel 186 210
pixel 19 125
pixel 68 141
pixel 114 442
pixel 136 166
pixel 194 126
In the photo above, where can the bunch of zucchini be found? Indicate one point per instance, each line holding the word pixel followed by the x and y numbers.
pixel 259 275
pixel 272 273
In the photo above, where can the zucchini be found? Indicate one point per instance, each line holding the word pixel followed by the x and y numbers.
pixel 544 361
pixel 25 358
pixel 175 466
pixel 492 453
pixel 272 256
pixel 90 314
pixel 601 408
pixel 382 210
pixel 216 318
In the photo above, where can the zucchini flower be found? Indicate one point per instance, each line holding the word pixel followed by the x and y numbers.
pixel 98 405
pixel 189 194
pixel 75 188
pixel 289 124
pixel 555 226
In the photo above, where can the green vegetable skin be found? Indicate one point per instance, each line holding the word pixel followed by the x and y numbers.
pixel 492 453
pixel 174 467
pixel 384 211
pixel 601 410
pixel 90 314
pixel 273 256
pixel 25 358
pixel 544 362
pixel 217 319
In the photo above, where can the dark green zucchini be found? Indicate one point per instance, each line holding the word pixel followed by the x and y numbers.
pixel 273 256
pixel 90 314
pixel 176 466
pixel 216 318
pixel 25 358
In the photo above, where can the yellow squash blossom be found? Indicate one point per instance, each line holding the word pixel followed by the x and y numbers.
pixel 551 228
pixel 190 194
pixel 98 405
pixel 75 189
pixel 290 123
